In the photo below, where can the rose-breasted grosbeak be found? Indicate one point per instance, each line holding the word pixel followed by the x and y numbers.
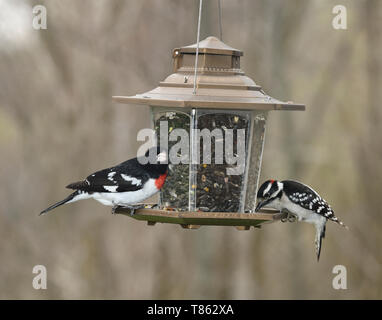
pixel 125 184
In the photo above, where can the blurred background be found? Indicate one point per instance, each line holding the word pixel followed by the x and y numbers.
pixel 58 124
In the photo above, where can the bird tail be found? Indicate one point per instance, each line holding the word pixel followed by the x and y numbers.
pixel 70 198
pixel 335 219
pixel 320 234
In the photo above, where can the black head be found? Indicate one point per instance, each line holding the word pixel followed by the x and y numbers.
pixel 155 159
pixel 268 191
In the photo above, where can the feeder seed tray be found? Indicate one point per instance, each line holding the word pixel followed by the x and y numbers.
pixel 193 220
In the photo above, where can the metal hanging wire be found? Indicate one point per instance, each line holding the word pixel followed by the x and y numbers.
pixel 197 44
pixel 220 21
pixel 198 37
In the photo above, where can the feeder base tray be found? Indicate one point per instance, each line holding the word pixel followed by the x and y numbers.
pixel 193 220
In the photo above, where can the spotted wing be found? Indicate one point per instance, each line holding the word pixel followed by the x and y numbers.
pixel 308 199
pixel 115 179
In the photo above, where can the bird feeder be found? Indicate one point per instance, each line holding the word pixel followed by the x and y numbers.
pixel 226 115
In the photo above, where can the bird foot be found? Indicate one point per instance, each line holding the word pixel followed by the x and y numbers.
pixel 289 218
pixel 131 208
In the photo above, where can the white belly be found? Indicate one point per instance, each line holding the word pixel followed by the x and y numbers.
pixel 301 213
pixel 126 198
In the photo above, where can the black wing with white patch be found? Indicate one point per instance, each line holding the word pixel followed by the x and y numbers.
pixel 308 199
pixel 128 176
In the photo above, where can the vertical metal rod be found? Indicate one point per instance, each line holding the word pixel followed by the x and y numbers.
pixel 197 44
pixel 220 20
pixel 194 145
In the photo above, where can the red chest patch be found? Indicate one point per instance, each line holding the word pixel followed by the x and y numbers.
pixel 160 181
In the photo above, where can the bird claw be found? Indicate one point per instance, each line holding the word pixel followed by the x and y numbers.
pixel 291 218
pixel 113 209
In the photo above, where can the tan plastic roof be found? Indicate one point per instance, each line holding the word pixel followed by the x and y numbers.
pixel 221 84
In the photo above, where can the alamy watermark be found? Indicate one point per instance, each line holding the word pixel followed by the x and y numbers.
pixel 40 280
pixel 340 280
pixel 339 21
pixel 39 20
pixel 229 146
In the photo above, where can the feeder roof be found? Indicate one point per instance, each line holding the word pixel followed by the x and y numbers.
pixel 221 84
pixel 211 45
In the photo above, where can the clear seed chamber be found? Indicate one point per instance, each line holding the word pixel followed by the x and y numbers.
pixel 174 194
pixel 216 190
pixel 205 183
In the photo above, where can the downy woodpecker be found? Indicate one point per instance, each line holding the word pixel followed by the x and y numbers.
pixel 300 201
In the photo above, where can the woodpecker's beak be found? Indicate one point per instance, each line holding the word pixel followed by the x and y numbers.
pixel 262 204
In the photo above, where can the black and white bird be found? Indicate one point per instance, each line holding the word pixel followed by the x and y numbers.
pixel 125 184
pixel 299 200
